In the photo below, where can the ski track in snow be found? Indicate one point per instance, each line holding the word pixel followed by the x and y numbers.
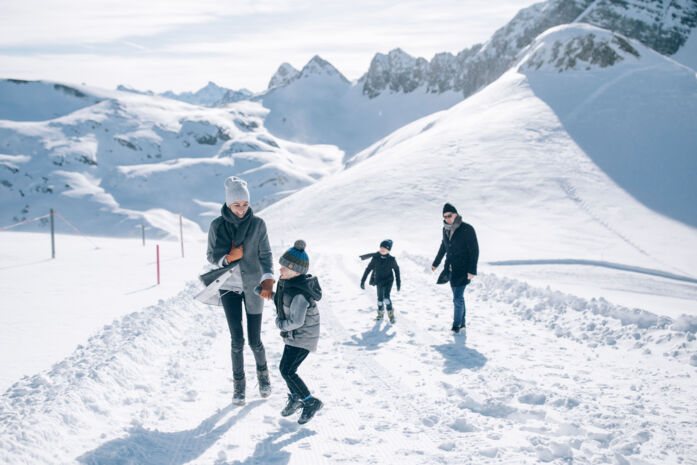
pixel 541 377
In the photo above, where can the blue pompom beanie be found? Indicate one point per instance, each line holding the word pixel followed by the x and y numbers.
pixel 296 258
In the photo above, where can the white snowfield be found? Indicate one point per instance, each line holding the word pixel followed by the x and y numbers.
pixel 542 376
pixel 581 340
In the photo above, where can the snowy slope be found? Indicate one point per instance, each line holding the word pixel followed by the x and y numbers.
pixel 506 158
pixel 108 160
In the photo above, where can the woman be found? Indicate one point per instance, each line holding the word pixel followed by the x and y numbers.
pixel 239 246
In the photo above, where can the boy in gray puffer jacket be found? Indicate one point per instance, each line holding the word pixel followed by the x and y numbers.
pixel 297 316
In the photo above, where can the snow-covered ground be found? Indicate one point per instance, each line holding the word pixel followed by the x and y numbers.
pixel 542 376
pixel 48 306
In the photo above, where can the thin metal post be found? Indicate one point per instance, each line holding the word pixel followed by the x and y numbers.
pixel 157 251
pixel 53 240
pixel 181 233
pixel 142 227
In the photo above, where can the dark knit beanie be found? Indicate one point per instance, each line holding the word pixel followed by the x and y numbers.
pixel 387 243
pixel 447 208
pixel 295 258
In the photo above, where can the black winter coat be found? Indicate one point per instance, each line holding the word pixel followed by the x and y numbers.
pixel 382 267
pixel 461 252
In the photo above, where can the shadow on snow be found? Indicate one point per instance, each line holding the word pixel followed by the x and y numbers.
pixel 147 447
pixel 373 338
pixel 458 356
pixel 270 450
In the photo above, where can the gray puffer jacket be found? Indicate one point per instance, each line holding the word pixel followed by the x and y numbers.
pixel 297 314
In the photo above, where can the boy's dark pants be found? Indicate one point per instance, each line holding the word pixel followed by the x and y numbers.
pixel 291 360
pixel 384 290
pixel 232 303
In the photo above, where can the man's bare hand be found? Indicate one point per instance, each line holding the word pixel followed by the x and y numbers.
pixel 433 268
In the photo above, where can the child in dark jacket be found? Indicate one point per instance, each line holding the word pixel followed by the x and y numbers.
pixel 297 316
pixel 383 265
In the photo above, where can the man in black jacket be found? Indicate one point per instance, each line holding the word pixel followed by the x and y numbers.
pixel 461 251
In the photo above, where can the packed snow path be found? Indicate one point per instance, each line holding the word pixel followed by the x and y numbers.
pixel 542 376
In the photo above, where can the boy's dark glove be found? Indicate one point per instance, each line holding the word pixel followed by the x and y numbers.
pixel 399 286
pixel 284 334
pixel 362 285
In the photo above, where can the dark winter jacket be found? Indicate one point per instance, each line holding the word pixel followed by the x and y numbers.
pixel 382 267
pixel 297 314
pixel 460 247
pixel 256 261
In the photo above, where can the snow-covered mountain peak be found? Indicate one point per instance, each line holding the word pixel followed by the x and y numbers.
pixel 211 95
pixel 285 74
pixel 577 47
pixel 663 25
pixel 397 71
pixel 318 66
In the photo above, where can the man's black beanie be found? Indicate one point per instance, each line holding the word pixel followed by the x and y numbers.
pixel 447 208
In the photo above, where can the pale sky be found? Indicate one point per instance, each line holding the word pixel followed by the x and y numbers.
pixel 182 44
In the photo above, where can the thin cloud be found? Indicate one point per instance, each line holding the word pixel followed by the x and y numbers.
pixel 181 45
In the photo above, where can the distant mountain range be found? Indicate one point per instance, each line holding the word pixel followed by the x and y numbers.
pixel 353 115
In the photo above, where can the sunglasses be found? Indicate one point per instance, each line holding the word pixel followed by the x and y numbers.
pixel 448 215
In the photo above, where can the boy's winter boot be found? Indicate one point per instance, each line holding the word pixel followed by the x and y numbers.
pixel 238 395
pixel 264 383
pixel 381 312
pixel 294 404
pixel 310 407
pixel 390 312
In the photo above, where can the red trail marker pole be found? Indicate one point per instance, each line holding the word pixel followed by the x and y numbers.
pixel 157 249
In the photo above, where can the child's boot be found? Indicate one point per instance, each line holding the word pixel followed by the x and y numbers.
pixel 310 407
pixel 381 312
pixel 294 404
pixel 390 312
